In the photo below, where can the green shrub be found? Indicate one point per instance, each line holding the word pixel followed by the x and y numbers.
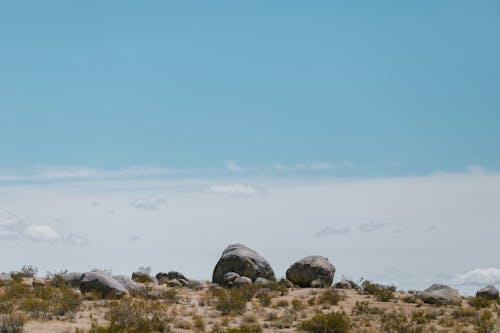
pixel 382 293
pixel 333 322
pixel 27 271
pixel 232 301
pixel 363 307
pixel 245 328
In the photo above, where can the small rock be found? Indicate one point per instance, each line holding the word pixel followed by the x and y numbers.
pixel 174 283
pixel 242 281
pixel 287 282
pixel 489 292
pixel 229 278
pixel 5 278
pixel 261 281
pixel 183 282
pixel 343 285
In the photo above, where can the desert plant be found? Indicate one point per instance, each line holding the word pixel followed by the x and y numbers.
pixel 479 302
pixel 398 322
pixel 13 323
pixel 132 316
pixel 26 271
pixel 363 307
pixel 331 296
pixel 333 322
pixel 381 292
pixel 245 328
pixel 485 323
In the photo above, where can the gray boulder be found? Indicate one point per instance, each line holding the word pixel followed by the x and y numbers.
pixel 244 261
pixel 174 283
pixel 261 281
pixel 440 294
pixel 5 278
pixel 490 292
pixel 73 278
pixel 127 282
pixel 343 285
pixel 103 284
pixel 242 281
pixel 312 271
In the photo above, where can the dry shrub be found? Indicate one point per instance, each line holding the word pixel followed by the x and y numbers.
pixel 333 322
pixel 381 292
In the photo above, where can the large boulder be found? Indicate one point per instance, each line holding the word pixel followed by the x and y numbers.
pixel 312 271
pixel 244 261
pixel 127 282
pixel 440 294
pixel 72 278
pixel 490 292
pixel 103 284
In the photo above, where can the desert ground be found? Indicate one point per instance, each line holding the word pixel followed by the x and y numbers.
pixel 45 305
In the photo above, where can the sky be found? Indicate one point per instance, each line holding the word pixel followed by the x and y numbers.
pixel 157 133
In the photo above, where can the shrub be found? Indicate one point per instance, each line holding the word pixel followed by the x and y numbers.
pixel 27 271
pixel 382 293
pixel 333 322
pixel 485 322
pixel 398 322
pixel 331 296
pixel 297 304
pixel 479 302
pixel 364 307
pixel 13 323
pixel 132 316
pixel 245 328
pixel 198 324
pixel 231 301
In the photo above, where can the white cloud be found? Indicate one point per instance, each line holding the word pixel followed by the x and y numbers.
pixel 478 276
pixel 42 233
pixel 150 202
pixel 233 189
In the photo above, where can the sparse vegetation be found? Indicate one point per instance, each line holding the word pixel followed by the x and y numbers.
pixel 333 322
pixel 399 322
pixel 381 292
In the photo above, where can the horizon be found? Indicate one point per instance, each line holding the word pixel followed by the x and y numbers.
pixel 157 134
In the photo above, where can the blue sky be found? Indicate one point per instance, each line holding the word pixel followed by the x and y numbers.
pixel 156 133
pixel 396 87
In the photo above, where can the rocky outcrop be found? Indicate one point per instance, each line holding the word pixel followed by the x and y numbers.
pixel 489 292
pixel 244 261
pixel 127 282
pixel 102 284
pixel 73 278
pixel 312 271
pixel 440 294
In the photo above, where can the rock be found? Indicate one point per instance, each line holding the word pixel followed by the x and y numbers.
pixel 242 281
pixel 343 285
pixel 313 271
pixel 174 283
pixel 103 284
pixel 176 275
pixel 409 297
pixel 286 282
pixel 490 292
pixel 440 294
pixel 5 278
pixel 38 282
pixel 127 282
pixel 73 278
pixel 183 282
pixel 243 261
pixel 261 281
pixel 229 278
pixel 143 278
pixel 162 278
